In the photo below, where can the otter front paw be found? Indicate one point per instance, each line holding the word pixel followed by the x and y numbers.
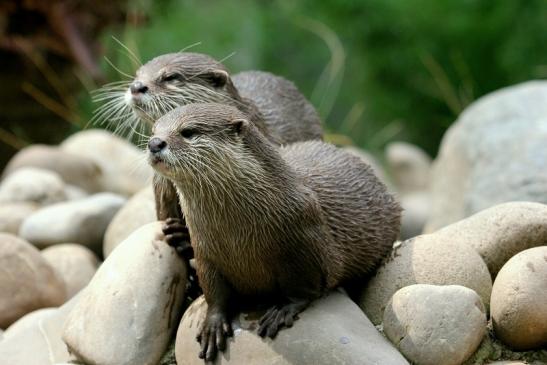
pixel 178 236
pixel 213 334
pixel 280 316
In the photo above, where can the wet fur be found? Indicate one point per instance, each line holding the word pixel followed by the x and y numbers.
pixel 272 103
pixel 295 221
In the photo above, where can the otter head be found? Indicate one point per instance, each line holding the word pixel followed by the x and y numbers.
pixel 176 79
pixel 204 144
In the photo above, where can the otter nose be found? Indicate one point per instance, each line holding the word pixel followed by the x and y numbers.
pixel 138 87
pixel 156 144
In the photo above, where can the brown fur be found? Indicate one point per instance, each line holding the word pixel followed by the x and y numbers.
pixel 292 222
pixel 272 103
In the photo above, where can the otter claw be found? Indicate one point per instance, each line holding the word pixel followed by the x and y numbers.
pixel 178 236
pixel 278 317
pixel 185 250
pixel 212 336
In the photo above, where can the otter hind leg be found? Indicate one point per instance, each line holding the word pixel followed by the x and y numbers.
pixel 280 316
pixel 216 327
pixel 301 281
pixel 212 337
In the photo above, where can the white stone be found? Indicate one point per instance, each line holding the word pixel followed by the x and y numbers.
pixel 27 281
pixel 74 169
pixel 415 213
pixel 124 168
pixel 74 264
pixel 13 214
pixel 73 192
pixel 435 325
pixel 332 331
pixel 519 301
pixel 81 221
pixel 494 153
pixel 138 211
pixel 28 321
pixel 36 338
pixel 132 305
pixel 426 259
pixel 500 232
pixel 409 166
pixel 32 185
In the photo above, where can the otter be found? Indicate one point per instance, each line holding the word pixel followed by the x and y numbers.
pixel 175 79
pixel 273 104
pixel 287 222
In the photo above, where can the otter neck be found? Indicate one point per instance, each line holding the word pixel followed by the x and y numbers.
pixel 249 108
pixel 256 192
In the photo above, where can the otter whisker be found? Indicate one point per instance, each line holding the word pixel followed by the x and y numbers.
pixel 131 53
pixel 104 114
pixel 190 46
pixel 116 68
pixel 227 57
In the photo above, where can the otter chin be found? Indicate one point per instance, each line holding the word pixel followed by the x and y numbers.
pixel 282 225
pixel 158 163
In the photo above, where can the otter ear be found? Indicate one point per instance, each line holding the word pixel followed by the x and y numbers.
pixel 218 78
pixel 240 125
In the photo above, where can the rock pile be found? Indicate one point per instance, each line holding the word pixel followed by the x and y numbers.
pixel 471 291
pixel 423 294
pixel 61 201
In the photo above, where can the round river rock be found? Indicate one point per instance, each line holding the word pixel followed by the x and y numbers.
pixel 519 301
pixel 124 168
pixel 130 309
pixel 500 232
pixel 331 331
pixel 139 210
pixel 32 185
pixel 75 264
pixel 435 325
pixel 27 281
pixel 426 259
pixel 81 221
pixel 73 169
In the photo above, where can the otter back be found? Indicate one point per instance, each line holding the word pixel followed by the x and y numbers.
pixel 363 218
pixel 289 116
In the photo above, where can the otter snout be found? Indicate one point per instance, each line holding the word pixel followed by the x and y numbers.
pixel 138 87
pixel 156 144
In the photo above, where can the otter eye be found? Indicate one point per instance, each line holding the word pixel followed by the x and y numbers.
pixel 188 133
pixel 216 78
pixel 170 77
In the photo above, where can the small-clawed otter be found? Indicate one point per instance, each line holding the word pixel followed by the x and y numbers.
pixel 176 79
pixel 273 103
pixel 289 222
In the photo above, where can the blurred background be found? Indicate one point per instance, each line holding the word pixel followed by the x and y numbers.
pixel 377 70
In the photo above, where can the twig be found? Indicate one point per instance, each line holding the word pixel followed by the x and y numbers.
pixel 12 140
pixel 52 105
pixel 441 79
